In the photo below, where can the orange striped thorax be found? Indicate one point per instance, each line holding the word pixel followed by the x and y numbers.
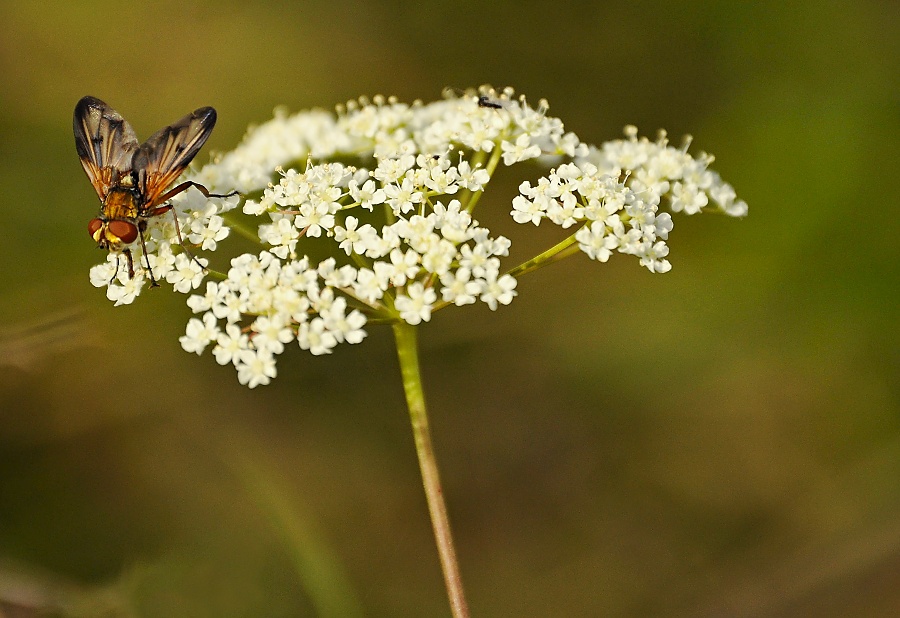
pixel 116 227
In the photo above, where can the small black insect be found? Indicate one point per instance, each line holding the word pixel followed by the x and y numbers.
pixel 486 101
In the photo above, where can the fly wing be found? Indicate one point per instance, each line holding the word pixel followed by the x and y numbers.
pixel 161 159
pixel 105 143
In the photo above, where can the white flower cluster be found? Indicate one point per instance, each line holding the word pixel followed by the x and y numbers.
pixel 282 302
pixel 272 299
pixel 614 194
pixel 397 223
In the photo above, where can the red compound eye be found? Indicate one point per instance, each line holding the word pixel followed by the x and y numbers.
pixel 123 230
pixel 93 226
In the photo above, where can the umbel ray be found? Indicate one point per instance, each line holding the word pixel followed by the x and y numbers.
pixel 132 179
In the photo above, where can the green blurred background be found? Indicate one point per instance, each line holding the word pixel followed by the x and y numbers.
pixel 722 440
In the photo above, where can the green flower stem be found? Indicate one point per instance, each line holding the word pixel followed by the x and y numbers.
pixel 553 254
pixel 465 196
pixel 362 303
pixel 379 321
pixel 407 352
pixel 491 166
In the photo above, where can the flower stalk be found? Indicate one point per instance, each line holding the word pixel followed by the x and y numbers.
pixel 558 252
pixel 408 355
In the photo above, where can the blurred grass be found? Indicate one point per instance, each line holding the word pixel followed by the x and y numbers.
pixel 721 440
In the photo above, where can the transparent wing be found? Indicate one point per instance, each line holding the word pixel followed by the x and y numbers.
pixel 105 143
pixel 160 160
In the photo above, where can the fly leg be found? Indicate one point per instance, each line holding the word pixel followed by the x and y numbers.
pixel 142 225
pixel 162 210
pixel 187 185
pixel 130 263
pixel 130 267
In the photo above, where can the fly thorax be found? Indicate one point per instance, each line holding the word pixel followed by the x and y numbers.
pixel 121 203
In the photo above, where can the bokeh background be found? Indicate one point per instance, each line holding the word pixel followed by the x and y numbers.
pixel 722 440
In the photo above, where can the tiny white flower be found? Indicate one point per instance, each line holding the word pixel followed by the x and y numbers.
pixel 282 235
pixel 499 246
pixel 405 266
pixel 229 306
pixel 230 344
pixel 255 367
pixel 520 151
pixel 321 299
pixel 721 192
pixel 368 286
pixel 687 198
pixel 126 293
pixel 652 258
pixel 344 327
pixel 102 274
pixel 439 257
pixel 200 304
pixel 481 133
pixel 402 198
pixel 473 179
pixel 379 245
pixel 351 239
pixel 628 240
pixel 187 275
pixel 596 242
pixel 315 219
pixel 455 224
pixel 566 211
pixel 199 333
pixel 475 259
pixel 663 225
pixel 525 211
pixel 441 181
pixel 415 306
pixel 163 261
pixel 458 288
pixel 496 290
pixel 208 232
pixel 390 170
pixel 315 337
pixel 738 208
pixel 367 195
pixel 342 277
pixel 271 333
pixel 254 208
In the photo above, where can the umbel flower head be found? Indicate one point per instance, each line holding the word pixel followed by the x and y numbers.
pixel 386 191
